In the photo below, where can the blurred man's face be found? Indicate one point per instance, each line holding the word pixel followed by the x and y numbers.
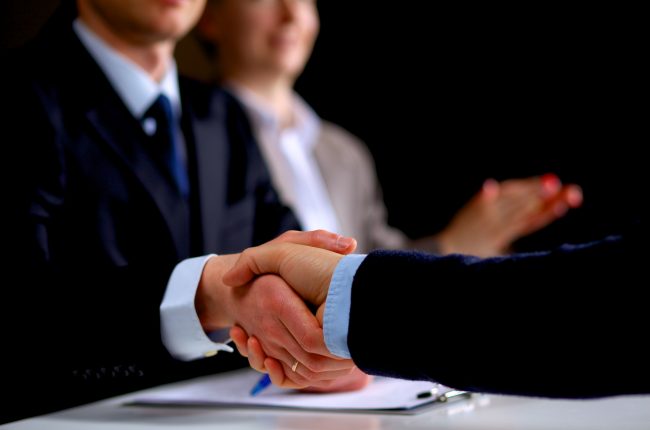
pixel 146 21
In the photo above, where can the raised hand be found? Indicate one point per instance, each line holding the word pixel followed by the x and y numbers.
pixel 503 212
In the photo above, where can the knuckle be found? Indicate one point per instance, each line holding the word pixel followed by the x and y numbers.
pixel 318 236
pixel 289 235
pixel 316 365
pixel 310 341
pixel 254 364
pixel 297 378
pixel 309 364
pixel 248 256
pixel 308 375
pixel 271 300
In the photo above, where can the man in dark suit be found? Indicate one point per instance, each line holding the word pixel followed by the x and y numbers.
pixel 565 323
pixel 108 196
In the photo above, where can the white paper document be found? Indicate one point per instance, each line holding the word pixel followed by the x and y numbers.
pixel 232 389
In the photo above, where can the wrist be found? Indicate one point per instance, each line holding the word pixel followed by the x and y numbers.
pixel 213 297
pixel 444 242
pixel 329 266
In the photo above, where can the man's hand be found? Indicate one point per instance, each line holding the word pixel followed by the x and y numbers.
pixel 272 311
pixel 307 270
pixel 212 294
pixel 250 347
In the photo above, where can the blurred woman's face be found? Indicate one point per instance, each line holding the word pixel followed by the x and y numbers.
pixel 263 36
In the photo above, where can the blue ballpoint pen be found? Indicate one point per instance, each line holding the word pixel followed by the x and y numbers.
pixel 264 382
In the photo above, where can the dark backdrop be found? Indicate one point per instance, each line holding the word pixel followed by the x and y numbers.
pixel 446 96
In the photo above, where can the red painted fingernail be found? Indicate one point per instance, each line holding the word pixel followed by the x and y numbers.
pixel 551 184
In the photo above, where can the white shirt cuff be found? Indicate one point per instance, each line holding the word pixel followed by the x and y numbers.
pixel 180 327
pixel 336 320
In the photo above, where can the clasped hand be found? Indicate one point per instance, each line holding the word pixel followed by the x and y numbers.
pixel 263 294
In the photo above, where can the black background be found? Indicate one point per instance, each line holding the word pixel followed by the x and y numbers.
pixel 446 96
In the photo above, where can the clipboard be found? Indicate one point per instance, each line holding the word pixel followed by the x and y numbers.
pixel 232 390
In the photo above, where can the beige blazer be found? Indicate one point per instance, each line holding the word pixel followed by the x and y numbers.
pixel 350 177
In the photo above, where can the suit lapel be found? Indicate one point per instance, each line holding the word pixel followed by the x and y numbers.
pixel 132 153
pixel 120 132
pixel 211 154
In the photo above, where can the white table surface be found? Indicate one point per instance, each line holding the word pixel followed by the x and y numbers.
pixel 481 412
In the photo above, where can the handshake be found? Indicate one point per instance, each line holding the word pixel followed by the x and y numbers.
pixel 299 310
pixel 273 296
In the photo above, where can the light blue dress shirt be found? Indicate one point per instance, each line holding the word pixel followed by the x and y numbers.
pixel 336 320
pixel 134 86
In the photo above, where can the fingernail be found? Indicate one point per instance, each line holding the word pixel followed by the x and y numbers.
pixel 551 184
pixel 490 182
pixel 490 188
pixel 344 242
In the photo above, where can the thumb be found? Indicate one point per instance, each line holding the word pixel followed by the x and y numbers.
pixel 306 269
pixel 267 258
pixel 255 261
pixel 319 239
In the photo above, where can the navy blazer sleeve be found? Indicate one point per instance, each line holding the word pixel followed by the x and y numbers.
pixel 572 322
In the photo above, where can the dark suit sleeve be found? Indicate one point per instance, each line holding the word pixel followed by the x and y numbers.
pixel 569 323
